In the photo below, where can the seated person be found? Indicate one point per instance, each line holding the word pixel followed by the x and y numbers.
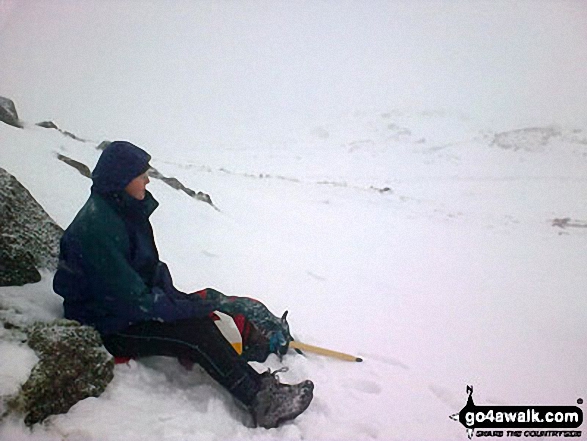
pixel 111 278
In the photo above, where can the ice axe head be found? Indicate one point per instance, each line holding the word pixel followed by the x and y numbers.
pixel 284 346
pixel 285 326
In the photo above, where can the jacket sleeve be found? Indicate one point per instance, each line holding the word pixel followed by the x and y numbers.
pixel 169 299
pixel 125 294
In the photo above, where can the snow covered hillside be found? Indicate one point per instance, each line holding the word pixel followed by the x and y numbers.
pixel 406 178
pixel 430 253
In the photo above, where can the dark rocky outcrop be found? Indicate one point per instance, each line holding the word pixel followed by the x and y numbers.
pixel 8 112
pixel 52 125
pixel 73 365
pixel 29 238
pixel 17 267
pixel 177 185
pixel 172 182
pixel 567 222
pixel 80 167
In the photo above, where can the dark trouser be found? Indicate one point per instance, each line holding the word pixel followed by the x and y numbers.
pixel 197 340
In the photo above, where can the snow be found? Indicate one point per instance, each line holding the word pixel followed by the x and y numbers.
pixel 415 231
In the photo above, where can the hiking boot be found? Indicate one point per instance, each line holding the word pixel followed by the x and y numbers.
pixel 276 402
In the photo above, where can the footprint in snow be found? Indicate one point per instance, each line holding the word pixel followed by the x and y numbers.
pixel 315 276
pixel 448 397
pixel 364 386
pixel 365 431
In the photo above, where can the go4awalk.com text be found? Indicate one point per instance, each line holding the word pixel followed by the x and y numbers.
pixel 528 433
pixel 520 421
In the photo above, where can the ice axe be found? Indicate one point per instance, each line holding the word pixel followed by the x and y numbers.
pixel 299 346
pixel 323 351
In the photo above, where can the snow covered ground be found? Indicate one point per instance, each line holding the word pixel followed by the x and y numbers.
pixel 453 276
pixel 421 240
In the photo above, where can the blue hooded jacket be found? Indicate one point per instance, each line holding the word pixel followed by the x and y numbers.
pixel 109 273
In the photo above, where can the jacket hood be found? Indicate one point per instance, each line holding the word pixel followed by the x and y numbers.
pixel 119 164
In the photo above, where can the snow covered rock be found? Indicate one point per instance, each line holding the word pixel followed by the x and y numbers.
pixel 8 112
pixel 29 238
pixel 528 139
pixel 73 365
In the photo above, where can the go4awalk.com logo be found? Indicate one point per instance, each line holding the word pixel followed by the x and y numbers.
pixel 519 421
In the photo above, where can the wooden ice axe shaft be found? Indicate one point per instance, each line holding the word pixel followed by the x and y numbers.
pixel 322 351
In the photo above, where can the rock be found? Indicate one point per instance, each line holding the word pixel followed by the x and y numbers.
pixel 73 365
pixel 8 113
pixel 17 268
pixel 52 125
pixel 48 125
pixel 529 139
pixel 29 238
pixel 103 145
pixel 177 185
pixel 80 167
pixel 567 222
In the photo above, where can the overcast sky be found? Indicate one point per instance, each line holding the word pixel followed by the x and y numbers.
pixel 176 71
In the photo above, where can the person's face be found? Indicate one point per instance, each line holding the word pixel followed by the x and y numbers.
pixel 136 188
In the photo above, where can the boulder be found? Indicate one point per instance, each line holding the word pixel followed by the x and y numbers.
pixel 17 267
pixel 52 125
pixel 8 112
pixel 73 365
pixel 29 238
pixel 80 167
